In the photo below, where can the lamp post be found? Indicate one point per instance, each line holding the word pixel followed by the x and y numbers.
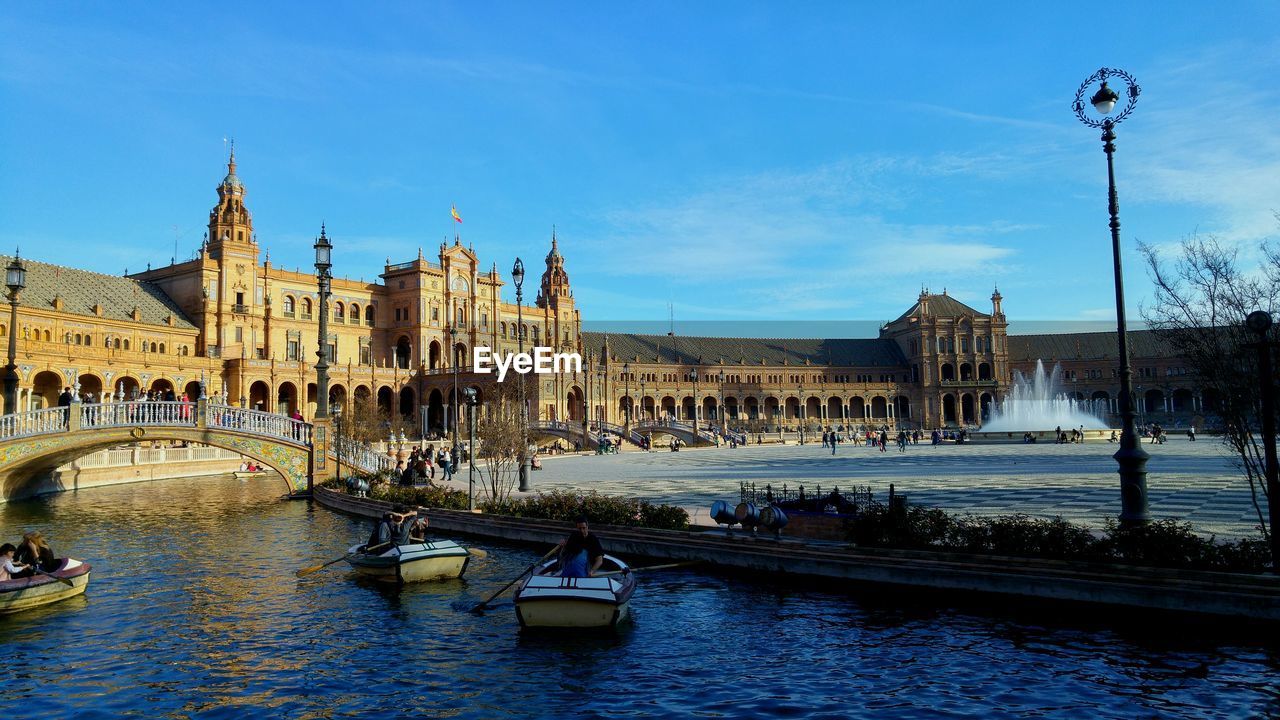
pixel 1131 458
pixel 337 431
pixel 626 373
pixel 724 417
pixel 517 275
pixel 642 397
pixel 324 252
pixel 695 404
pixel 800 411
pixel 453 351
pixel 1259 321
pixel 15 278
pixel 471 448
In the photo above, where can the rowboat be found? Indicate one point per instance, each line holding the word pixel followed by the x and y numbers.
pixel 434 560
pixel 29 592
pixel 248 474
pixel 546 600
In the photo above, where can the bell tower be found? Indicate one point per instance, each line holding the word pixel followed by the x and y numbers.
pixel 230 225
pixel 555 290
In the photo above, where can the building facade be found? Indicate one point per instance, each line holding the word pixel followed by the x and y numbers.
pixel 249 331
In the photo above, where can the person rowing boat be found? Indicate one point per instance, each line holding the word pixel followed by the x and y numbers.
pixel 581 553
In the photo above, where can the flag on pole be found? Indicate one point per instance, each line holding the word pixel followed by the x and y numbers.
pixel 454 212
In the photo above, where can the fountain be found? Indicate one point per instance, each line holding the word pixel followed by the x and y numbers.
pixel 1039 405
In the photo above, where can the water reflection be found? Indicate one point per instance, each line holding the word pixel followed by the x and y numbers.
pixel 194 609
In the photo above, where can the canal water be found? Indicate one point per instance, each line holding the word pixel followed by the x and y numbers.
pixel 194 611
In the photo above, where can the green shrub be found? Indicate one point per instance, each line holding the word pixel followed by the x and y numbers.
pixel 1161 543
pixel 602 509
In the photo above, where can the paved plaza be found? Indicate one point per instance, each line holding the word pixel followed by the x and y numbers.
pixel 1193 481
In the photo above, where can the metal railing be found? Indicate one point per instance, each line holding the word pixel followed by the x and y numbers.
pixel 813 499
pixel 33 422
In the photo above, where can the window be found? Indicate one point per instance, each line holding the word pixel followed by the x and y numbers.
pixel 435 314
pixel 355 314
pixel 161 348
pixel 339 312
pixel 293 351
pixel 333 352
pixel 306 308
pixel 289 306
pixel 239 334
pixel 964 344
pixel 366 356
pixel 368 315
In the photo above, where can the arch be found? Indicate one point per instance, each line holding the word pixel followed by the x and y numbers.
pixel 984 371
pixel 433 355
pixel 710 408
pixel 290 306
pixel 948 372
pixel 732 411
pixel 192 390
pixel 771 409
pixel 1153 401
pixel 574 400
pixel 857 408
pixel 879 408
pixel 967 409
pixel 368 314
pixel 1182 400
pixel 386 401
pixel 46 386
pixel 260 396
pixel 404 352
pixel 986 403
pixel 361 396
pixel 306 308
pixel 162 350
pixel 752 405
pixel 337 397
pixel 668 408
pixel 812 409
pixel 966 371
pixel 625 404
pixel 287 398
pixel 835 409
pixel 90 385
pixel 435 411
pixel 339 312
pixel 460 357
pixel 161 387
pixel 353 315
pixel 687 408
pixel 902 407
pixel 791 409
pixel 129 386
pixel 408 402
pixel 949 408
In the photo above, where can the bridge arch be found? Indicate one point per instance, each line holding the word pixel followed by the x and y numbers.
pixel 46 386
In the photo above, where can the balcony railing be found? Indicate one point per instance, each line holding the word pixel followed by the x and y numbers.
pixel 239 309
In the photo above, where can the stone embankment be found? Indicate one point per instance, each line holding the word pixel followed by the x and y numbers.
pixel 1226 595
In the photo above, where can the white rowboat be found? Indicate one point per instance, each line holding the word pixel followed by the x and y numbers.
pixel 546 600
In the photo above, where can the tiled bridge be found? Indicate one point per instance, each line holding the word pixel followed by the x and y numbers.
pixel 36 442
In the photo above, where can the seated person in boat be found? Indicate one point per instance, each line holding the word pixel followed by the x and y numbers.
pixel 10 569
pixel 393 527
pixel 35 550
pixel 580 553
pixel 419 526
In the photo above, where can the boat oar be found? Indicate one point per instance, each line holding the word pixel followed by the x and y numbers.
pixel 668 566
pixel 64 581
pixel 316 568
pixel 478 553
pixel 526 571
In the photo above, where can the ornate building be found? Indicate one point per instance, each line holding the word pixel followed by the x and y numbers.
pixel 249 330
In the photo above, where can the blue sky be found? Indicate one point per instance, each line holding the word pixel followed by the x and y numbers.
pixel 738 160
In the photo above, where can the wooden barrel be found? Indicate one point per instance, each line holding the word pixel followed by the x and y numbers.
pixel 747 514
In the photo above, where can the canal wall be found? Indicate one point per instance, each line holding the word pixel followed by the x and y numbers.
pixel 1229 595
pixel 133 464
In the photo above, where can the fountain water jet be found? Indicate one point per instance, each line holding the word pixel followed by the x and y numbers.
pixel 1039 404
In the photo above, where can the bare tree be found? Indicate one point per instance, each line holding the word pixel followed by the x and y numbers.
pixel 1201 301
pixel 502 438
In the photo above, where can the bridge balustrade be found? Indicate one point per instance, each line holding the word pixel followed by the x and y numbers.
pixel 258 422
pixel 129 414
pixel 33 422
pixel 360 455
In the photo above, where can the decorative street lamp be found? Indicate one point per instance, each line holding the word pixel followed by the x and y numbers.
pixel 800 411
pixel 626 373
pixel 324 261
pixel 1131 458
pixel 452 331
pixel 15 278
pixel 517 275
pixel 695 404
pixel 1259 321
pixel 724 417
pixel 471 447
